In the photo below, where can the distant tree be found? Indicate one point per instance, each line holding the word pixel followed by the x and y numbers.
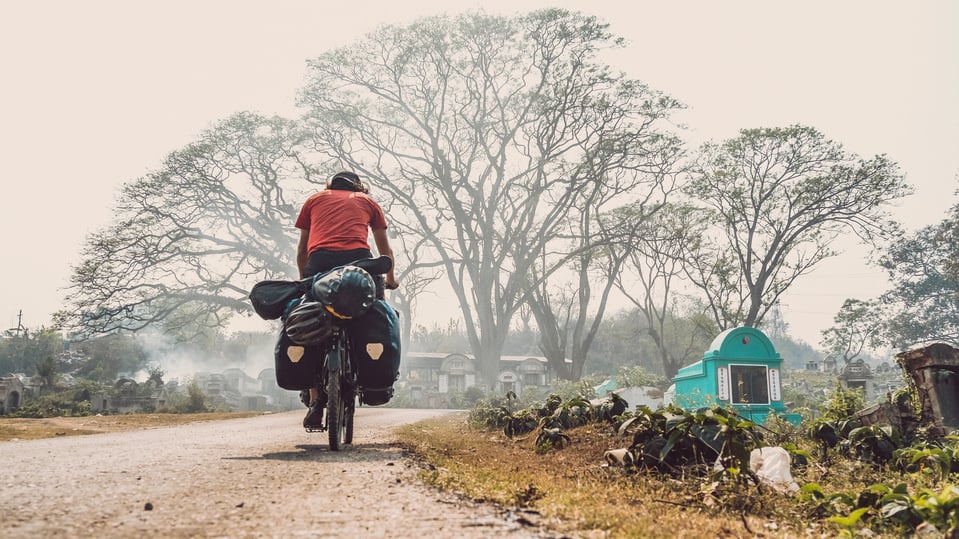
pixel 10 354
pixel 444 339
pixel 652 279
pixel 779 198
pixel 190 239
pixel 48 373
pixel 602 236
pixel 105 358
pixel 191 399
pixel 924 270
pixel 196 402
pixel 622 342
pixel 155 374
pixel 20 351
pixel 490 132
pixel 858 326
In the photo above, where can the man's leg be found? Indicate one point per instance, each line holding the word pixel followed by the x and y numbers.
pixel 314 416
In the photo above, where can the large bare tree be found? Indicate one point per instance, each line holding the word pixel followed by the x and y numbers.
pixel 489 132
pixel 780 197
pixel 190 239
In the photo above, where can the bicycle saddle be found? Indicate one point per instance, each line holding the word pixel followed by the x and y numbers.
pixel 374 266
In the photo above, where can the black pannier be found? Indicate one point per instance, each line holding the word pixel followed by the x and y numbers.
pixel 375 344
pixel 296 365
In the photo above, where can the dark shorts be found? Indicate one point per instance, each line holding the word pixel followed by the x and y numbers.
pixel 323 260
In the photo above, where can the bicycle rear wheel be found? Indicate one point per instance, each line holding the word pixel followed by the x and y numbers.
pixel 335 409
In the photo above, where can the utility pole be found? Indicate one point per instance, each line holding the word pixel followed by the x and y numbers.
pixel 19 322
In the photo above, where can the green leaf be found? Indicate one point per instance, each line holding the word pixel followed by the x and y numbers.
pixel 852 519
pixel 896 510
pixel 813 490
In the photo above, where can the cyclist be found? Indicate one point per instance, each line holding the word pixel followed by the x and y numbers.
pixel 334 226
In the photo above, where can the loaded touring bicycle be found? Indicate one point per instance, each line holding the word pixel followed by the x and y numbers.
pixel 338 336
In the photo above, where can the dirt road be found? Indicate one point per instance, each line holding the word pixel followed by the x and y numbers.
pixel 254 477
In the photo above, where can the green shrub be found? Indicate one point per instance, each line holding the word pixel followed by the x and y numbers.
pixel 843 403
pixel 192 401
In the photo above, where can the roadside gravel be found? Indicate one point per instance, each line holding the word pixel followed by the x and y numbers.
pixel 254 477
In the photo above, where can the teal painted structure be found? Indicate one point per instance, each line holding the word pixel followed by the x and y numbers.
pixel 741 370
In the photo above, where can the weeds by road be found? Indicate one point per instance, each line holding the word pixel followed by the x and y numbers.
pixel 573 491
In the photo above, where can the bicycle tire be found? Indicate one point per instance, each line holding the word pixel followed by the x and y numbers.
pixel 334 401
pixel 349 395
pixel 348 435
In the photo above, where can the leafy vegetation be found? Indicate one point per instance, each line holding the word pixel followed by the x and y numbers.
pixel 843 403
pixel 193 401
pixel 52 405
pixel 924 272
pixel 62 378
pixel 596 465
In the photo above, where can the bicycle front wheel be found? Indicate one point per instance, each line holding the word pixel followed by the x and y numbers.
pixel 348 419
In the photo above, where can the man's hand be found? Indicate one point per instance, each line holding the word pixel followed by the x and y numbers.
pixel 390 283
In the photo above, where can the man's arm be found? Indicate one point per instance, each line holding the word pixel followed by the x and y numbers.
pixel 382 241
pixel 302 256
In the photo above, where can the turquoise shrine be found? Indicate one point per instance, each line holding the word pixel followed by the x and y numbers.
pixel 741 370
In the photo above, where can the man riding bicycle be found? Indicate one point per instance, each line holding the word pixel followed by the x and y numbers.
pixel 334 226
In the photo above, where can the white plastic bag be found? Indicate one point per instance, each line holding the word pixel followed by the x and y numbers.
pixel 771 465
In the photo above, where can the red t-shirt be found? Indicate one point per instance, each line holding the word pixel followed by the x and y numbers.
pixel 339 220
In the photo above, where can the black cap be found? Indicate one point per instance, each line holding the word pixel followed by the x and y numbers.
pixel 345 179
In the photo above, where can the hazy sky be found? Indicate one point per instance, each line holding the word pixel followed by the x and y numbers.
pixel 95 93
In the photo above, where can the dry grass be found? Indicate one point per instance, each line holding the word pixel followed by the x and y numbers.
pixel 575 493
pixel 32 429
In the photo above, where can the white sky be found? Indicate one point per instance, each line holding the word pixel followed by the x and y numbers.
pixel 95 93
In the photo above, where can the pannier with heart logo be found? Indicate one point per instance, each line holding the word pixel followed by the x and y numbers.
pixel 297 363
pixel 375 344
